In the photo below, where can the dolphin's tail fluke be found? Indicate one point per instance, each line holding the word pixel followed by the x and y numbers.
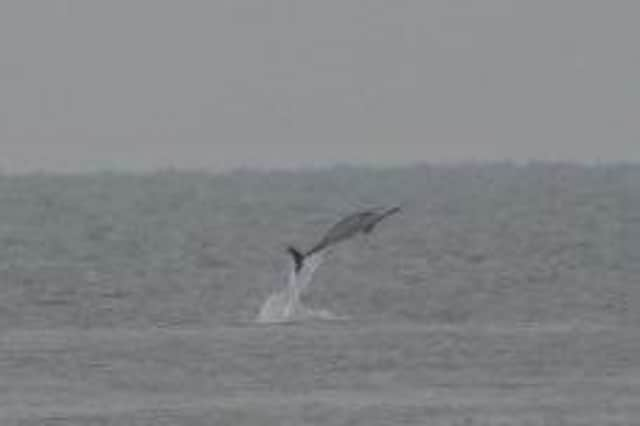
pixel 298 257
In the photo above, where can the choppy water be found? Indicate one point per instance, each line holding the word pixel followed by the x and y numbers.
pixel 545 242
pixel 501 295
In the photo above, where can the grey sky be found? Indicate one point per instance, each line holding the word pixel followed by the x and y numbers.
pixel 91 84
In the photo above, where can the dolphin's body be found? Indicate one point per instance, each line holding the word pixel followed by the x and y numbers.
pixel 356 223
pixel 286 305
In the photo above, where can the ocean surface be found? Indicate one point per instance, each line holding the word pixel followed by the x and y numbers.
pixel 502 294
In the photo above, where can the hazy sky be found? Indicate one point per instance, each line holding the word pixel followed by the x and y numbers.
pixel 91 84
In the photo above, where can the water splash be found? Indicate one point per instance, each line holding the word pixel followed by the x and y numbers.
pixel 285 305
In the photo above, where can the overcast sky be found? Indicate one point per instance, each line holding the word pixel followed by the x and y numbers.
pixel 132 84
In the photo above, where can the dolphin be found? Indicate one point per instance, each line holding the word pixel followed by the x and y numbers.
pixel 360 222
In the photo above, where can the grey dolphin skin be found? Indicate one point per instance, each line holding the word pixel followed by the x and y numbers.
pixel 359 222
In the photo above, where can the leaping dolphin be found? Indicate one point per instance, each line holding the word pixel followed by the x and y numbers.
pixel 359 222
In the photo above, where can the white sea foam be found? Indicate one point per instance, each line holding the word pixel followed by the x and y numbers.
pixel 285 305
